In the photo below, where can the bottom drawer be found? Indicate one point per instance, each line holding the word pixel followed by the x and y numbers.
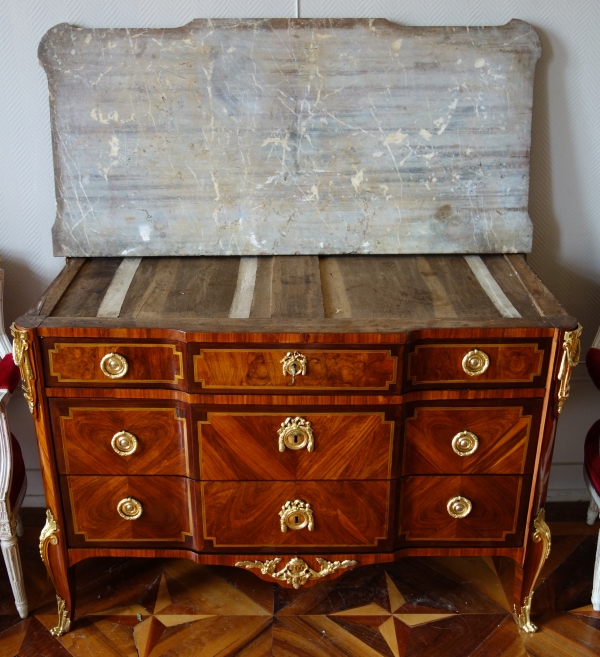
pixel 465 510
pixel 253 514
pixel 135 509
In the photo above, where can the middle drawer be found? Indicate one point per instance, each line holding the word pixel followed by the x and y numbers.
pixel 285 445
pixel 120 438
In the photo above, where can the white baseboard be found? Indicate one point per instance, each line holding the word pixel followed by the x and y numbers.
pixel 34 501
pixel 568 495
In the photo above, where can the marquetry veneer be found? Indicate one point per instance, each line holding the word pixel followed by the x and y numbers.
pixel 334 421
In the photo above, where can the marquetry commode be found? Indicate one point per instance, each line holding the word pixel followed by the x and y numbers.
pixel 291 408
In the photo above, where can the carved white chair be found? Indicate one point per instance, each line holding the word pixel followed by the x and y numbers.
pixel 591 468
pixel 13 482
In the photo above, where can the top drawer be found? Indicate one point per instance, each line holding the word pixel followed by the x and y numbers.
pixel 472 365
pixel 116 364
pixel 293 370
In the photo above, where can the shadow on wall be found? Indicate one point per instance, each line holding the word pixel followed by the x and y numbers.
pixel 575 289
pixel 22 287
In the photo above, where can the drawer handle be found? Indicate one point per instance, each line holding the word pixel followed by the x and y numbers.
pixel 459 507
pixel 129 508
pixel 124 443
pixel 294 364
pixel 296 433
pixel 465 443
pixel 296 515
pixel 475 362
pixel 114 366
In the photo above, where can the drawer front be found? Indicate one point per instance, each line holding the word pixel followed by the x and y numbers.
pixel 114 364
pixel 497 513
pixel 95 505
pixel 476 365
pixel 295 446
pixel 471 438
pixel 93 438
pixel 248 514
pixel 237 369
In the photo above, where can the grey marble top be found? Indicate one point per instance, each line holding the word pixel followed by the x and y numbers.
pixel 306 136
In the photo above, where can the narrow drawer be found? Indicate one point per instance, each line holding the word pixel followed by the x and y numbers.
pixel 123 438
pixel 471 438
pixel 477 364
pixel 290 445
pixel 493 510
pixel 118 364
pixel 343 514
pixel 104 509
pixel 247 369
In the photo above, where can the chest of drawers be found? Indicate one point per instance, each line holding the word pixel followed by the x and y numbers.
pixel 335 426
pixel 295 411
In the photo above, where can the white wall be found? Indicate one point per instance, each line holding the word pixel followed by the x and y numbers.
pixel 565 170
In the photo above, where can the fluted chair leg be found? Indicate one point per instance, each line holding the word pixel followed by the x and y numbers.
pixel 12 559
pixel 596 586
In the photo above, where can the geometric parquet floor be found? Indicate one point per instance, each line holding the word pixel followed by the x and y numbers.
pixel 434 607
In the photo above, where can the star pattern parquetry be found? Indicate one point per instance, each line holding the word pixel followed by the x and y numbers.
pixel 411 608
pixel 388 628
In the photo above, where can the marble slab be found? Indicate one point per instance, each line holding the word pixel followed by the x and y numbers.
pixel 291 136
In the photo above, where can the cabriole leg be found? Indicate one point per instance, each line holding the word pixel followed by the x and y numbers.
pixel 54 559
pixel 12 559
pixel 538 549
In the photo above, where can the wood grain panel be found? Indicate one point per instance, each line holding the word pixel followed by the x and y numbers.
pixel 511 284
pixel 91 507
pixel 346 514
pixel 498 513
pixel 84 295
pixel 410 287
pixel 504 434
pixel 245 446
pixel 182 287
pixel 435 365
pixel 78 363
pixel 334 370
pixel 296 287
pixel 160 432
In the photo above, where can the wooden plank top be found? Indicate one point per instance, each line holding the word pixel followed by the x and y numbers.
pixel 291 136
pixel 335 294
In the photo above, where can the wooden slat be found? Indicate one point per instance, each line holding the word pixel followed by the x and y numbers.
pixel 296 287
pixel 491 287
pixel 462 288
pixel 405 287
pixel 511 284
pixel 539 293
pixel 244 291
pixel 58 286
pixel 442 305
pixel 182 287
pixel 117 290
pixel 263 288
pixel 379 286
pixel 85 294
pixel 335 299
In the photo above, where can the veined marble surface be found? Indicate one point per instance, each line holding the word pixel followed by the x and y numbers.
pixel 299 136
